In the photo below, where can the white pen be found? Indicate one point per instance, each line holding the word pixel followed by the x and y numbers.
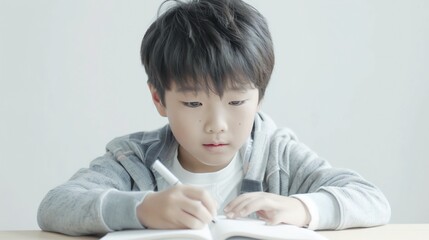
pixel 167 175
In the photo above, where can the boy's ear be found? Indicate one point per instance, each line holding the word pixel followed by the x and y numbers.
pixel 157 101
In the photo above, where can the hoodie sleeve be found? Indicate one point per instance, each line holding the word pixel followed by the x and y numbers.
pixel 338 198
pixel 95 200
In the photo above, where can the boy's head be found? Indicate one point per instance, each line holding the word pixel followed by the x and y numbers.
pixel 208 45
pixel 208 63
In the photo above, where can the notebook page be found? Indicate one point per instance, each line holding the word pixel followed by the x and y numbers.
pixel 225 228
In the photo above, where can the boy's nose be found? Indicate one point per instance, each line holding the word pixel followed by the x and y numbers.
pixel 215 124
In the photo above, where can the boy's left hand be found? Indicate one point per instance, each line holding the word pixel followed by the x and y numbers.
pixel 270 207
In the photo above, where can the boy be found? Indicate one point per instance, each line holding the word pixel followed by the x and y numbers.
pixel 208 64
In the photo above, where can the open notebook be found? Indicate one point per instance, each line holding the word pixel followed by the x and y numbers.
pixel 223 229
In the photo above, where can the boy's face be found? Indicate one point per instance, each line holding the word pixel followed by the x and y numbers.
pixel 210 130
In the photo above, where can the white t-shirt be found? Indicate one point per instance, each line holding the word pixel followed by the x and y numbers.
pixel 224 185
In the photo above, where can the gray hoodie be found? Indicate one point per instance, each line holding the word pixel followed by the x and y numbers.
pixel 104 197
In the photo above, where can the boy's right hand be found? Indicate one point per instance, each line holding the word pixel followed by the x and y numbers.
pixel 181 206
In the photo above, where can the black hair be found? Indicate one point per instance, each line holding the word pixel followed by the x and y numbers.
pixel 208 45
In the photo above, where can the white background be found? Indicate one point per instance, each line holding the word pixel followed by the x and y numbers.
pixel 351 79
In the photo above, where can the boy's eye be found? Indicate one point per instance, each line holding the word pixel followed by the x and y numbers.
pixel 236 103
pixel 192 104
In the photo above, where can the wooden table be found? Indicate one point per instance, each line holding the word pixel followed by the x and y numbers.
pixel 390 231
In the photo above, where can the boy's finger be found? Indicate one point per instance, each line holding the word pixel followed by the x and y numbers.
pixel 237 201
pixel 250 205
pixel 241 201
pixel 197 210
pixel 240 208
pixel 204 198
pixel 187 220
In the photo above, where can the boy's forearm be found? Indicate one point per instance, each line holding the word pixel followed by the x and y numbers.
pixel 72 212
pixel 360 205
pixel 89 212
pixel 119 209
pixel 88 203
pixel 343 198
pixel 357 204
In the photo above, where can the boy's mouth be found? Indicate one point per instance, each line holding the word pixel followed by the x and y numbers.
pixel 214 145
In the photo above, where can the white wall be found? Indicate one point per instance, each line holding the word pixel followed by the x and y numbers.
pixel 351 79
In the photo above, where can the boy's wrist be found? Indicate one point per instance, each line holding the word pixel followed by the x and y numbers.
pixel 141 210
pixel 321 203
pixel 311 210
pixel 307 218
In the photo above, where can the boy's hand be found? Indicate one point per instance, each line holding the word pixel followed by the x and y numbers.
pixel 181 206
pixel 272 208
